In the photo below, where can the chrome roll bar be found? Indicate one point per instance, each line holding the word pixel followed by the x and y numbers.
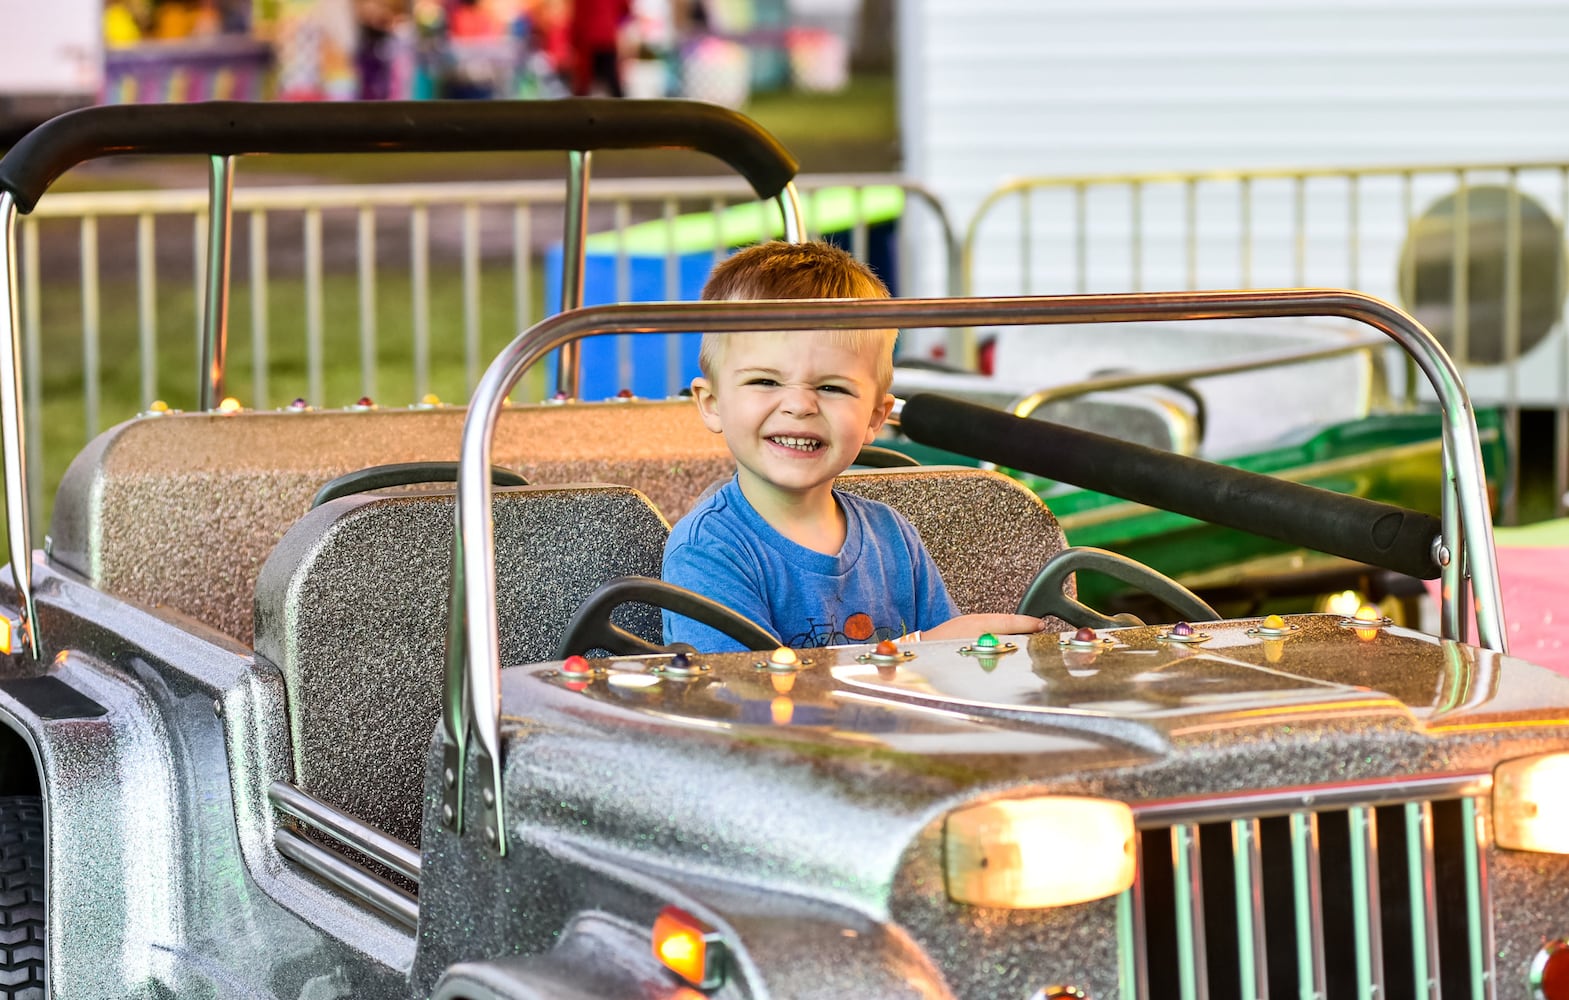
pixel 12 440
pixel 472 702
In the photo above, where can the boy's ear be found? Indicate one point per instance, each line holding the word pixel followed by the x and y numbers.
pixel 707 404
pixel 879 417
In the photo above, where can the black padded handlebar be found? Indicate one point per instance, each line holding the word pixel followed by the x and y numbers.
pixel 1353 527
pixel 233 128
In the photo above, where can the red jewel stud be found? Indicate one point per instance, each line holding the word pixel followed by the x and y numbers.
pixel 624 394
pixel 576 665
pixel 366 402
pixel 887 648
pixel 1084 635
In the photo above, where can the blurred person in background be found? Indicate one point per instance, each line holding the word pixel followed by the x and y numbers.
pixel 596 34
pixel 376 20
pixel 471 19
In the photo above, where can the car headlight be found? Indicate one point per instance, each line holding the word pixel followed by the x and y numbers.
pixel 1530 807
pixel 1037 852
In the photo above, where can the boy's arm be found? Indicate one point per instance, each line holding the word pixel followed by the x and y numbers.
pixel 971 626
pixel 721 579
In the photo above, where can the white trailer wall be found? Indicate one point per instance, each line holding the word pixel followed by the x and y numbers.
pixel 993 89
pixel 51 56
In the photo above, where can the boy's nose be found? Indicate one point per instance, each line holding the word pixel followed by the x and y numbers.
pixel 800 400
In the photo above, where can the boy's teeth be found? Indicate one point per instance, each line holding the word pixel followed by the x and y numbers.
pixel 802 444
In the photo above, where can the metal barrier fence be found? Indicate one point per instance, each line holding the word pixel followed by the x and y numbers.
pixel 454 269
pixel 1474 251
pixel 323 273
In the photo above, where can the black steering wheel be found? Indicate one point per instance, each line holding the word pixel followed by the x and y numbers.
pixel 591 627
pixel 380 477
pixel 873 456
pixel 1045 595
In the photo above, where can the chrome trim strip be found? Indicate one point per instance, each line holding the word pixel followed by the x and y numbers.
pixel 1308 905
pixel 1130 952
pixel 1280 801
pixel 472 622
pixel 1422 878
pixel 13 437
pixel 359 885
pixel 1188 884
pixel 380 847
pixel 1141 956
pixel 1366 906
pixel 215 315
pixel 1479 910
pixel 1247 868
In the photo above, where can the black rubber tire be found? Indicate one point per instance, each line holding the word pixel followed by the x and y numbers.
pixel 22 920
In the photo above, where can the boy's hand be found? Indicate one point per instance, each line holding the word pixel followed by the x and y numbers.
pixel 970 626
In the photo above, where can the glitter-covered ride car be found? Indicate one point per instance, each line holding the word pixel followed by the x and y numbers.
pixel 392 781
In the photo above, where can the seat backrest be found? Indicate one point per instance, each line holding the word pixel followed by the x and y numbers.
pixel 182 509
pixel 988 534
pixel 352 609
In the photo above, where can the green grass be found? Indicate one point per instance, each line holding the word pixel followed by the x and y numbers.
pixel 64 427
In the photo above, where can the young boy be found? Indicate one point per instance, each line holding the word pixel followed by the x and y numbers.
pixel 777 543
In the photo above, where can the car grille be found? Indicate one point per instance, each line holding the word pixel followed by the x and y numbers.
pixel 1334 891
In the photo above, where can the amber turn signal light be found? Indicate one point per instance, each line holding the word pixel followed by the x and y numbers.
pixel 689 948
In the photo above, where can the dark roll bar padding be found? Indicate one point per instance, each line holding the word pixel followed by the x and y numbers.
pixel 1356 528
pixel 234 128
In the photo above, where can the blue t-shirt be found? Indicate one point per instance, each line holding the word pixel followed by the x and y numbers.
pixel 881 585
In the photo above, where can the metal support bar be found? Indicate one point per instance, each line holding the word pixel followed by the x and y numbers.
pixel 790 208
pixel 379 847
pixel 359 885
pixel 569 375
pixel 215 314
pixel 1053 394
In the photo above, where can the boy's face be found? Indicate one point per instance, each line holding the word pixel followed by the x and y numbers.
pixel 794 409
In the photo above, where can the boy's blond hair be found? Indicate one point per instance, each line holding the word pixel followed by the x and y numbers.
pixel 780 270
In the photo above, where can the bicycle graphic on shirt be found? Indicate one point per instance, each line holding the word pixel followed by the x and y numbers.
pixel 857 628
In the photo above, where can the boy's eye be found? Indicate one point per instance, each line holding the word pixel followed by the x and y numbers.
pixel 765 382
pixel 842 389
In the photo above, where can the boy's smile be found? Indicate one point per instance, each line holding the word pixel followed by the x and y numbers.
pixel 794 409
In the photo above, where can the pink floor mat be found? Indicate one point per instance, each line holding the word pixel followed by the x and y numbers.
pixel 1533 569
